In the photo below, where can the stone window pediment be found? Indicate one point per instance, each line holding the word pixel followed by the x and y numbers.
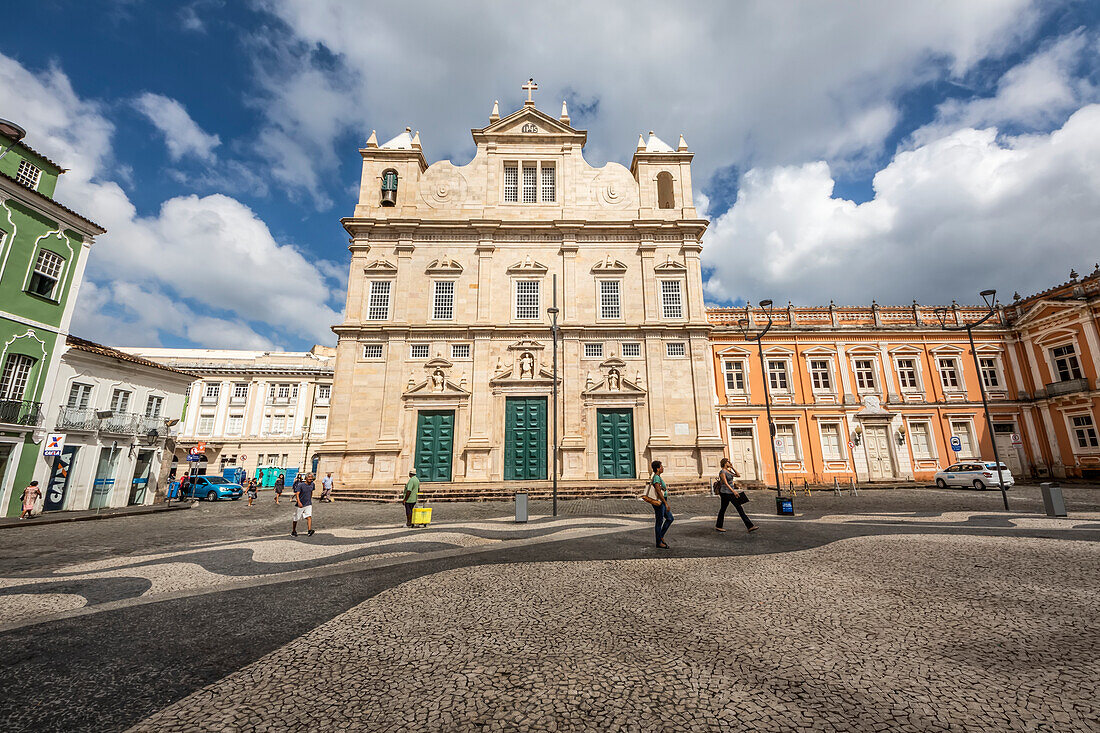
pixel 608 266
pixel 444 266
pixel 528 267
pixel 380 267
pixel 670 266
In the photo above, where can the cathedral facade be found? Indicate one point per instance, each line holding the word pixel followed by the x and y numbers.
pixel 445 360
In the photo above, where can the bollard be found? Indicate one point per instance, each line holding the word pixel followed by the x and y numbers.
pixel 836 486
pixel 521 508
pixel 1052 499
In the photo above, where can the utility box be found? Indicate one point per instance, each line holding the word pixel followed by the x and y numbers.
pixel 521 508
pixel 784 506
pixel 1052 499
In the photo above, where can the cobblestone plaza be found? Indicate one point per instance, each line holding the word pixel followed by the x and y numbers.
pixel 904 610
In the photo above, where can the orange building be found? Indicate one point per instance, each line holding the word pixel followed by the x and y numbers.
pixel 1055 347
pixel 877 393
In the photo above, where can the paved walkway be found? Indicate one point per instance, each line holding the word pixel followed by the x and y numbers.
pixel 891 610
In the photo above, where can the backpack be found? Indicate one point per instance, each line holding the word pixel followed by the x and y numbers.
pixel 716 488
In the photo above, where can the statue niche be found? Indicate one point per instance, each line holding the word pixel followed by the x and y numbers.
pixel 526 366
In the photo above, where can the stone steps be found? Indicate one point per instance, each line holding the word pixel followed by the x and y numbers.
pixel 501 491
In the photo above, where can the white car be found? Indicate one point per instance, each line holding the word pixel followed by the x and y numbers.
pixel 979 474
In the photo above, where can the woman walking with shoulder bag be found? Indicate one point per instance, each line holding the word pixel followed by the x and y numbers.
pixel 730 494
pixel 656 494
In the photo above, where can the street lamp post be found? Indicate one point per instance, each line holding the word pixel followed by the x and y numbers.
pixel 990 298
pixel 552 311
pixel 746 329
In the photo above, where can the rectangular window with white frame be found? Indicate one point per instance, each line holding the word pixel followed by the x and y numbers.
pixel 830 441
pixel 734 371
pixel 547 192
pixel 527 300
pixel 28 174
pixel 419 351
pixel 991 377
pixel 443 301
pixel 378 301
pixel 1084 431
pixel 865 374
pixel 1066 366
pixel 610 300
pixel 675 349
pixel 324 393
pixel 530 183
pixel 235 424
pixel 907 375
pixel 511 183
pixel 206 423
pixel 240 392
pixel 593 350
pixel 460 351
pixel 210 392
pixel 631 349
pixel 778 379
pixel 964 431
pixel 80 396
pixel 672 300
pixel 920 439
pixel 120 401
pixel 46 275
pixel 153 405
pixel 821 376
pixel 949 372
pixel 17 370
pixel 319 425
pixel 372 351
pixel 786 434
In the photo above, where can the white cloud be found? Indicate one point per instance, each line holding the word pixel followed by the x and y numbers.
pixel 950 218
pixel 182 135
pixel 204 268
pixel 1035 94
pixel 749 83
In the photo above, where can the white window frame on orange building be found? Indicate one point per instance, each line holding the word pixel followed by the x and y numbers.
pixel 956 355
pixel 788 373
pixel 741 371
pixel 836 421
pixel 1052 361
pixel 908 353
pixel 933 448
pixel 1072 431
pixel 876 379
pixel 828 356
pixel 972 437
pixel 796 441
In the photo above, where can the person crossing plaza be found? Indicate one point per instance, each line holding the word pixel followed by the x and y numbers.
pixel 303 506
pixel 412 490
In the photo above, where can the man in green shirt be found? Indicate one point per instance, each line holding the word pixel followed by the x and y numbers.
pixel 412 488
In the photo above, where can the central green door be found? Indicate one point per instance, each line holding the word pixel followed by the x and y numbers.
pixel 434 444
pixel 615 443
pixel 525 439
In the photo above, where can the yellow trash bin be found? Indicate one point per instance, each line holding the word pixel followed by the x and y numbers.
pixel 422 516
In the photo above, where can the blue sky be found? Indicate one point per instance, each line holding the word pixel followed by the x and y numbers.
pixel 844 151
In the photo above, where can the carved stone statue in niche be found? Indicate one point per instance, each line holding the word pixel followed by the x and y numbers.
pixel 613 380
pixel 438 380
pixel 527 366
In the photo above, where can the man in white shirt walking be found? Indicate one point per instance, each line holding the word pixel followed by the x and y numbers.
pixel 326 487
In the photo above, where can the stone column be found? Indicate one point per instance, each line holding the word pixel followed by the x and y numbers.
pixel 695 310
pixel 646 250
pixel 399 296
pixel 485 249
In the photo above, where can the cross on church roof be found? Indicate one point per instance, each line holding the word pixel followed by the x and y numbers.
pixel 529 87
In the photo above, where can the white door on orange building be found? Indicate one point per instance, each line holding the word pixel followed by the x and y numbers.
pixel 743 453
pixel 1009 452
pixel 877 439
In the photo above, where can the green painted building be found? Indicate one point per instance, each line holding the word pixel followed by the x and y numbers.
pixel 43 252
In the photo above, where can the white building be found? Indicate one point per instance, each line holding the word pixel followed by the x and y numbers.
pixel 114 410
pixel 251 408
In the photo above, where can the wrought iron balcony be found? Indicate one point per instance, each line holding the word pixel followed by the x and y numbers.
pixel 122 423
pixel 71 418
pixel 1067 386
pixel 21 412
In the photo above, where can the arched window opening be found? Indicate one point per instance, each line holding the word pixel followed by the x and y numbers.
pixel 665 198
pixel 389 188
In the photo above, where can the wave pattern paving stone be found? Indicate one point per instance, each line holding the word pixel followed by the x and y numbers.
pixel 914 633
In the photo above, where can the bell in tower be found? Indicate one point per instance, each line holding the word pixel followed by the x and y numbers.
pixel 389 188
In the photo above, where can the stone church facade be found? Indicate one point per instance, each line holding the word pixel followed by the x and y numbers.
pixel 444 361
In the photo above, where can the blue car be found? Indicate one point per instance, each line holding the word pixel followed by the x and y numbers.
pixel 213 488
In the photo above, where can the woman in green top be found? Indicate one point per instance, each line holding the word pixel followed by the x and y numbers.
pixel 661 511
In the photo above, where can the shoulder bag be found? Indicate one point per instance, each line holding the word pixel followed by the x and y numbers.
pixel 651 496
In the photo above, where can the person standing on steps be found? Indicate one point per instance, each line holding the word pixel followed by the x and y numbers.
pixel 280 484
pixel 661 511
pixel 303 507
pixel 412 490
pixel 731 494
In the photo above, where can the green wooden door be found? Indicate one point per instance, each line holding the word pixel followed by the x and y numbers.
pixel 434 444
pixel 525 439
pixel 615 443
